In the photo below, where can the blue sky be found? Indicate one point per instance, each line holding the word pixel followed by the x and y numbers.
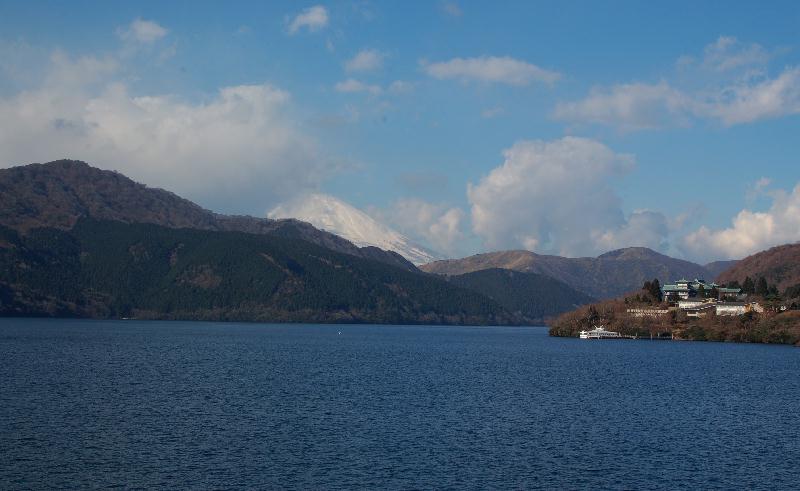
pixel 566 127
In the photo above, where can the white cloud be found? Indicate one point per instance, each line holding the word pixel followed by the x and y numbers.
pixel 642 106
pixel 629 106
pixel 757 189
pixel 142 31
pixel 752 100
pixel 353 86
pixel 734 89
pixel 437 225
pixel 643 227
pixel 365 60
pixel 313 19
pixel 505 70
pixel 556 197
pixel 238 142
pixel 728 53
pixel 451 9
pixel 65 73
pixel 750 231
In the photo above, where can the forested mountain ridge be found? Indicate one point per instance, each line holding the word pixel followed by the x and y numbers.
pixel 531 295
pixel 779 266
pixel 57 194
pixel 606 276
pixel 116 269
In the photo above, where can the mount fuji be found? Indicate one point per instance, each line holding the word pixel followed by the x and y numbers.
pixel 340 218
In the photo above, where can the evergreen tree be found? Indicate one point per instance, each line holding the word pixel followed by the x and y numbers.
pixel 655 290
pixel 593 316
pixel 761 287
pixel 792 291
pixel 734 284
pixel 748 286
pixel 714 292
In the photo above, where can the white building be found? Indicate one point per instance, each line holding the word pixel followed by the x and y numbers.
pixel 701 310
pixel 732 308
pixel 648 312
pixel 690 303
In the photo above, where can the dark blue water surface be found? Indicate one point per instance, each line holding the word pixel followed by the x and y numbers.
pixel 206 405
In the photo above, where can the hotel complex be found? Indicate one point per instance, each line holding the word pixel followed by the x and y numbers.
pixel 685 289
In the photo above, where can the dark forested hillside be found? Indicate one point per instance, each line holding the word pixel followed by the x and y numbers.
pixel 116 269
pixel 57 194
pixel 529 294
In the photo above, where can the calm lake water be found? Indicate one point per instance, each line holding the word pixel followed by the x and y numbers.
pixel 211 405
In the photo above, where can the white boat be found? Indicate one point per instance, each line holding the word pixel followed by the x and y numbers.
pixel 599 333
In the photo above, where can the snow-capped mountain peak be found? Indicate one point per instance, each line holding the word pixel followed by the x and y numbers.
pixel 335 216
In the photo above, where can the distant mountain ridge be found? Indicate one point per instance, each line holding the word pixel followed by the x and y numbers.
pixel 57 194
pixel 716 268
pixel 780 266
pixel 606 276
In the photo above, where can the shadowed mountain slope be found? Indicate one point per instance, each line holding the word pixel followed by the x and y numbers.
pixel 531 295
pixel 57 194
pixel 116 269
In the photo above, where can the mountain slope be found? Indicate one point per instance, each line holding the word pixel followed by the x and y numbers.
pixel 780 266
pixel 116 269
pixel 532 295
pixel 58 193
pixel 340 218
pixel 606 276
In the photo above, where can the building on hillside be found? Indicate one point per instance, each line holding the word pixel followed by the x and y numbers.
pixel 647 312
pixel 691 303
pixel 730 293
pixel 700 310
pixel 738 308
pixel 731 308
pixel 678 290
pixel 684 289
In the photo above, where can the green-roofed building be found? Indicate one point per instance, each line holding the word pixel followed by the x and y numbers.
pixel 684 289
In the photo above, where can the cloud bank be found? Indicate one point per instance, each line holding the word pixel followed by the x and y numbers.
pixel 239 141
pixel 745 93
pixel 436 224
pixel 750 231
pixel 556 197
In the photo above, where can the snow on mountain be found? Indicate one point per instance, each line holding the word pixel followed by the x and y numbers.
pixel 335 216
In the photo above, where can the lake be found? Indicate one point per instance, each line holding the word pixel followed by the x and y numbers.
pixel 214 405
